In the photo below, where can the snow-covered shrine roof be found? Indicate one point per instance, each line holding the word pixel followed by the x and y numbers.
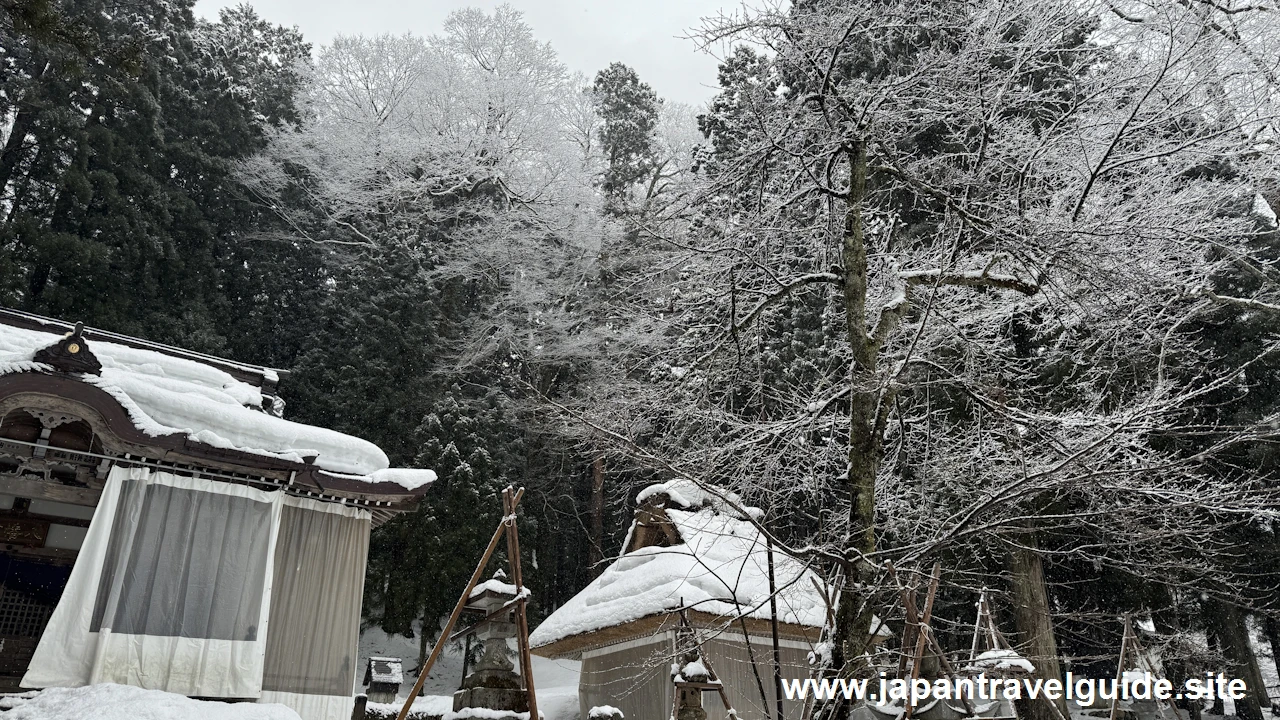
pixel 214 402
pixel 384 670
pixel 719 567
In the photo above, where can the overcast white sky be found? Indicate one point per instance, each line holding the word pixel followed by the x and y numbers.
pixel 587 34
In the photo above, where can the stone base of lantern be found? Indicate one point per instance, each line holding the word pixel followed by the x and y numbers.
pixel 494 685
pixel 500 699
pixel 492 678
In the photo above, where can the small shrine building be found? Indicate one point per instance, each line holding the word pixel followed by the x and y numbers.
pixel 163 526
pixel 689 553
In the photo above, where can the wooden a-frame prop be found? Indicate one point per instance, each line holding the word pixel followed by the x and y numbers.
pixel 713 683
pixel 509 502
pixel 922 630
pixel 1129 646
pixel 986 636
pixel 916 633
pixel 985 633
pixel 923 637
pixel 917 636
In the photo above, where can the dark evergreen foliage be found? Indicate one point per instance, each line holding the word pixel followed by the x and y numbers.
pixel 628 109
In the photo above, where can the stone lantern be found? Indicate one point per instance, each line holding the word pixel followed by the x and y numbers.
pixel 493 684
pixel 690 676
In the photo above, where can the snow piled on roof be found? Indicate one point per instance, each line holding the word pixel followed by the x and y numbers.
pixel 386 670
pixel 167 395
pixel 690 496
pixel 720 568
pixel 124 702
pixel 407 478
pixel 423 706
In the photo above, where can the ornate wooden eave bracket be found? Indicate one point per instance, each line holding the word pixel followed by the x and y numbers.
pixel 71 354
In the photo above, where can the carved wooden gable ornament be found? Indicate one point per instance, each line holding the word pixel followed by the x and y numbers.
pixel 71 354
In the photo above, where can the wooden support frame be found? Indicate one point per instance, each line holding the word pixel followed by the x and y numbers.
pixel 715 683
pixel 509 500
pixel 922 631
pixel 509 505
pixel 1124 653
pixel 985 631
pixel 1129 646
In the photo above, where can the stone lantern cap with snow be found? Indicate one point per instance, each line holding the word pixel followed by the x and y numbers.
pixel 490 601
pixel 1000 662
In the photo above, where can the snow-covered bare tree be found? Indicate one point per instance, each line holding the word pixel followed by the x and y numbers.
pixel 393 124
pixel 937 286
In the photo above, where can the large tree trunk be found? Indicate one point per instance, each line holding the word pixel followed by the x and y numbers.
pixel 423 647
pixel 1217 707
pixel 595 554
pixel 1176 673
pixel 20 188
pixel 15 147
pixel 1271 626
pixel 853 618
pixel 1034 625
pixel 1227 622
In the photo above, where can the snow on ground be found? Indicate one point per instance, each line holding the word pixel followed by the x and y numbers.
pixel 122 702
pixel 558 703
pixel 556 681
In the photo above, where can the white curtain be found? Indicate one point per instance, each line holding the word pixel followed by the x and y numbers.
pixel 170 592
pixel 317 586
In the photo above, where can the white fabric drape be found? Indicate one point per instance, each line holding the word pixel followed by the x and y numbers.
pixel 170 592
pixel 317 587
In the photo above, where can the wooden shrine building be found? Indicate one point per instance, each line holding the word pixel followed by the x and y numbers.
pixel 688 553
pixel 163 526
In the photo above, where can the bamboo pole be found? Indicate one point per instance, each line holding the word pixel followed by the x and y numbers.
pixel 922 631
pixel 1124 650
pixel 509 499
pixel 977 625
pixel 457 611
